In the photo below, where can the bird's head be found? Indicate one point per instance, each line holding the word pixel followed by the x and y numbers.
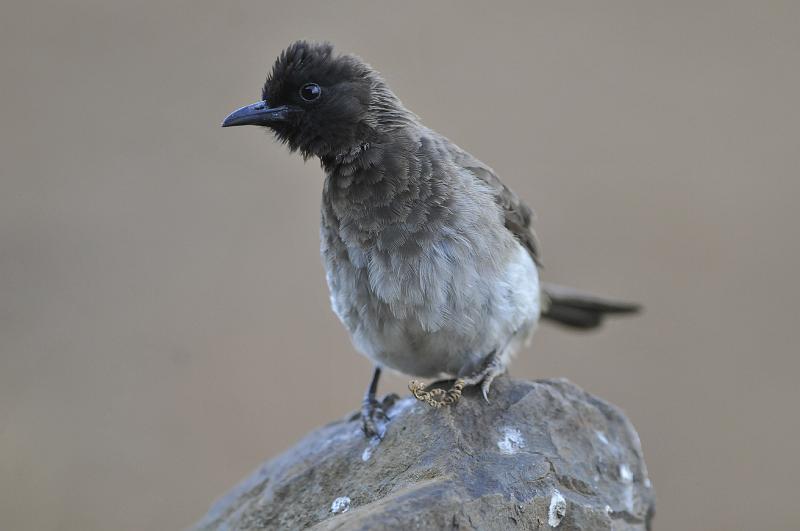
pixel 323 104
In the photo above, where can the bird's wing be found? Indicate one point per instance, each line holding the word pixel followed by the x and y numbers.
pixel 518 215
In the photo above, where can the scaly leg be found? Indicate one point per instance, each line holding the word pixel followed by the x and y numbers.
pixel 493 368
pixel 373 417
pixel 438 397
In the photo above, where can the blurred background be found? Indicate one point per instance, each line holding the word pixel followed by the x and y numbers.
pixel 164 319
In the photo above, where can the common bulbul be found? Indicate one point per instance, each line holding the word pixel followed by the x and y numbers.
pixel 431 261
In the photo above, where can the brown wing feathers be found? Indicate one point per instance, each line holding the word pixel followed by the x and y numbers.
pixel 562 305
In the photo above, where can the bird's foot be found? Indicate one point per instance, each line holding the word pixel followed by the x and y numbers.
pixel 436 397
pixel 492 369
pixel 374 418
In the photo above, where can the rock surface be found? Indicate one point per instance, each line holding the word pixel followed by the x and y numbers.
pixel 542 454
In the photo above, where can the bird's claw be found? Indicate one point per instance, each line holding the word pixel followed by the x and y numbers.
pixel 373 419
pixel 485 385
pixel 492 369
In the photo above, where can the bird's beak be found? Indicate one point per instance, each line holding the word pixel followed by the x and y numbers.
pixel 257 114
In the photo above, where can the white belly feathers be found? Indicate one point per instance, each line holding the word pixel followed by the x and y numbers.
pixel 478 311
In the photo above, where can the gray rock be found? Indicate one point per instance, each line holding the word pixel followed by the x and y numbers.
pixel 542 454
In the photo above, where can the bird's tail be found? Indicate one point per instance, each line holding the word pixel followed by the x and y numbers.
pixel 569 307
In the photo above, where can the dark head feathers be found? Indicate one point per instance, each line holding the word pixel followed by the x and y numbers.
pixel 355 106
pixel 302 61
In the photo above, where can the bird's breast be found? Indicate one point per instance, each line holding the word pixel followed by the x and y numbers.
pixel 435 310
pixel 421 269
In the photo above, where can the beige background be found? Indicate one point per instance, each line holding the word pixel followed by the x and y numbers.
pixel 164 321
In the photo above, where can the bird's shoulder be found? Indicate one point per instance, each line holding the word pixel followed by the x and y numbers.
pixel 518 216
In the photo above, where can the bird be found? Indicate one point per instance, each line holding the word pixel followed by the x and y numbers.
pixel 432 263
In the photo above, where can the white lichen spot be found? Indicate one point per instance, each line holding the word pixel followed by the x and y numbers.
pixel 371 445
pixel 340 505
pixel 626 476
pixel 601 436
pixel 367 453
pixel 557 510
pixel 647 483
pixel 625 473
pixel 512 441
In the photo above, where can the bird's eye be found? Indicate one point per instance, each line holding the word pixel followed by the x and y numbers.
pixel 310 91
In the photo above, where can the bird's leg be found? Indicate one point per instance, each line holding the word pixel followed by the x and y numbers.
pixel 437 397
pixel 492 368
pixel 373 416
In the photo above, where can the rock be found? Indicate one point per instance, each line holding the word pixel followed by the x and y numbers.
pixel 541 455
